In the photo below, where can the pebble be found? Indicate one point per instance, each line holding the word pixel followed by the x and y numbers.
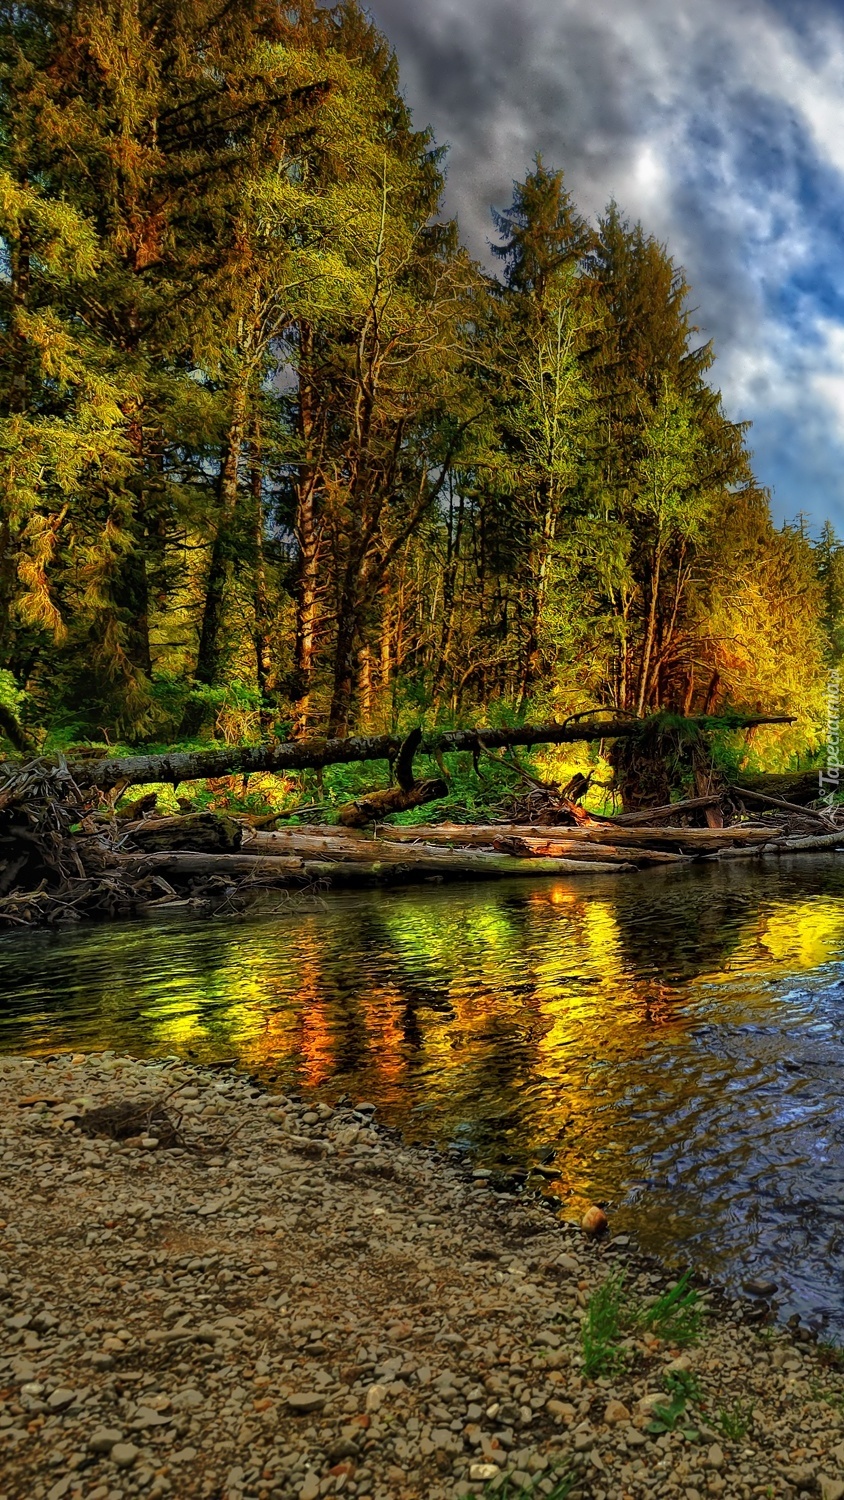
pixel 317 1309
pixel 124 1455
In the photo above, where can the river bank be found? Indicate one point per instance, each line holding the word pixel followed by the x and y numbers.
pixel 290 1302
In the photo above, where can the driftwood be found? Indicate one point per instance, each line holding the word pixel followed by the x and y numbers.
pixel 667 811
pixel 779 802
pixel 213 832
pixel 374 806
pixel 703 839
pixel 545 848
pixel 288 869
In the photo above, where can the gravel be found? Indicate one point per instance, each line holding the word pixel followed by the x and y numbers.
pixel 295 1304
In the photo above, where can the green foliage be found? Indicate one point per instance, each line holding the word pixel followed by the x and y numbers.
pixel 274 451
pixel 684 1390
pixel 11 696
pixel 563 1486
pixel 607 1313
pixel 676 1315
pixel 734 1421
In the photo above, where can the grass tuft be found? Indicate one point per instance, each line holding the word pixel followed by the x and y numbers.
pixel 734 1421
pixel 601 1329
pixel 676 1316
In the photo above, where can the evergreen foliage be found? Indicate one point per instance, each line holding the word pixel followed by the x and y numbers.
pixel 276 455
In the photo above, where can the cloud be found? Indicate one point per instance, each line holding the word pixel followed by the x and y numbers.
pixel 721 126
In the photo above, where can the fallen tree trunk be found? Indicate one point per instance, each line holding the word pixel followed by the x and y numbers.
pixel 212 832
pixel 684 839
pixel 813 841
pixel 393 799
pixel 669 810
pixel 285 869
pixel 569 849
pixel 795 786
pixel 332 846
pixel 794 807
pixel 298 755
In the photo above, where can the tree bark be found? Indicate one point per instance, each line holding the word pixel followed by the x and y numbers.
pixel 294 755
pixel 393 799
pixel 208 652
pixel 306 528
pixel 260 604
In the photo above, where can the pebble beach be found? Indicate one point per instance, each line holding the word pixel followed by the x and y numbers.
pixel 282 1300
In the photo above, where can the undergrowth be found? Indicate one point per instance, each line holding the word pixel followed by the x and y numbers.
pixel 676 1317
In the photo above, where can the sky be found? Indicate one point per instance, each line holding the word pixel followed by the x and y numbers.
pixel 720 125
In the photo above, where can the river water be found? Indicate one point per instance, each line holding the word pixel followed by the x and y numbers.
pixel 670 1047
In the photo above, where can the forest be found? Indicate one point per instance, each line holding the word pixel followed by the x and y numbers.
pixel 280 458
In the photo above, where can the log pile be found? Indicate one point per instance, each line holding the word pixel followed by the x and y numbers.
pixel 66 853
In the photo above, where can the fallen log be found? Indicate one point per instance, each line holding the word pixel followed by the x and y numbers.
pixel 286 869
pixel 779 802
pixel 812 841
pixel 649 815
pixel 212 832
pixel 683 839
pixel 795 786
pixel 314 753
pixel 569 849
pixel 393 799
pixel 332 846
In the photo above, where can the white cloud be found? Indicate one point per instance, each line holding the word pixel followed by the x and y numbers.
pixel 704 120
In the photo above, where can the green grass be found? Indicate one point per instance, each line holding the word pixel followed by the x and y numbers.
pixel 734 1421
pixel 676 1316
pixel 507 1491
pixel 607 1314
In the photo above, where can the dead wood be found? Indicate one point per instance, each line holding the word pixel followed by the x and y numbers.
pixel 393 799
pixel 127 1118
pixel 793 807
pixel 568 848
pixel 213 832
pixel 291 755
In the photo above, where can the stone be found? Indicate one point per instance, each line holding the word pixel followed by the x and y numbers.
pixel 103 1439
pixel 759 1287
pixel 375 1397
pixel 310 1489
pixel 483 1471
pixel 187 1400
pixel 61 1398
pixel 594 1222
pixel 146 1417
pixel 831 1489
pixel 616 1412
pixel 646 1404
pixel 715 1456
pixel 124 1455
pixel 303 1402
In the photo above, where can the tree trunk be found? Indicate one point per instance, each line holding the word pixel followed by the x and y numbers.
pixel 208 653
pixel 345 662
pixel 650 635
pixel 307 538
pixel 295 755
pixel 260 604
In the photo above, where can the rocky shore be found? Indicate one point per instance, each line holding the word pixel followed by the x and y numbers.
pixel 253 1298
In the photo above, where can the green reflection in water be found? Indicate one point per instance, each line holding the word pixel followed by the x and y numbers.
pixel 637 1032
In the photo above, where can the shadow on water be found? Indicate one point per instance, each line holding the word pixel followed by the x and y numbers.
pixel 672 1046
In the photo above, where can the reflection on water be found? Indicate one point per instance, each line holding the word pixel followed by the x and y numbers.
pixel 673 1046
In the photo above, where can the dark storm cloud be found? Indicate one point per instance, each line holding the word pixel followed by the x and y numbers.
pixel 721 126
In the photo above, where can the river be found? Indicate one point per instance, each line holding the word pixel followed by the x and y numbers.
pixel 670 1047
